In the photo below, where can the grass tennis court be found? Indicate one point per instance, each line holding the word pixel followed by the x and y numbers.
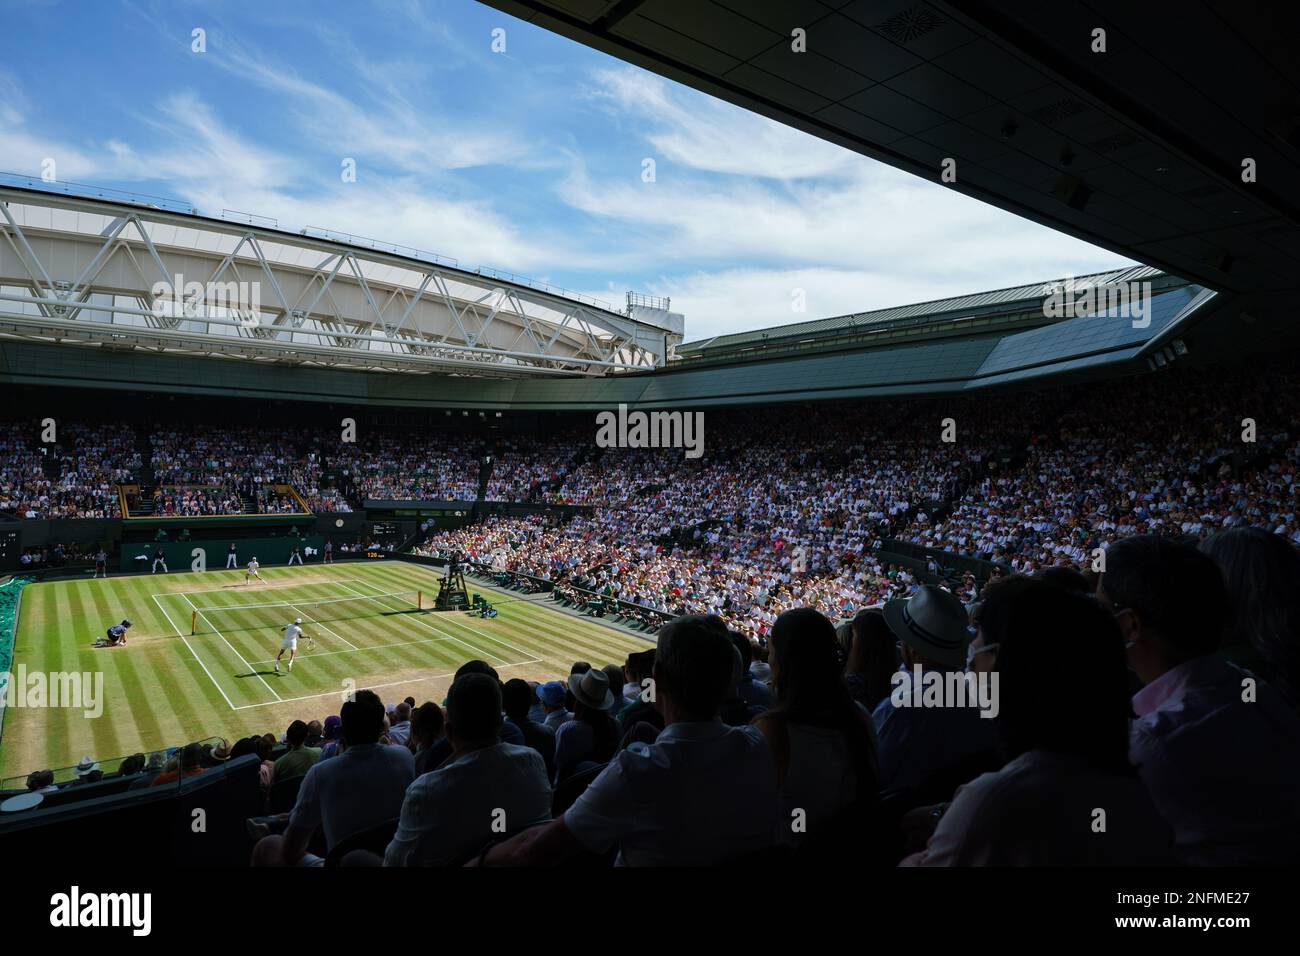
pixel 170 686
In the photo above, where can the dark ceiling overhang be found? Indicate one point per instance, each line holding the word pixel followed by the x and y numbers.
pixel 1138 149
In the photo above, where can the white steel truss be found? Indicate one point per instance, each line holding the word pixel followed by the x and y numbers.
pixel 132 275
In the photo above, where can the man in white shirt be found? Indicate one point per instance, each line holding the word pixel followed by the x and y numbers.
pixel 703 793
pixel 1218 749
pixel 290 643
pixel 484 790
pixel 360 787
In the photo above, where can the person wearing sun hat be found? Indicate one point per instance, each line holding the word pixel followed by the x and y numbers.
pixel 217 754
pixel 923 743
pixel 592 735
pixel 87 770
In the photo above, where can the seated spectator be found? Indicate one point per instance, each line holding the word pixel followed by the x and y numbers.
pixel 822 741
pixel 750 690
pixel 552 695
pixel 1203 725
pixel 441 749
pixel 485 789
pixel 1069 796
pixel 641 709
pixel 516 697
pixel 592 735
pixel 616 682
pixel 360 788
pixel 426 730
pixel 989 617
pixel 400 731
pixel 265 750
pixel 734 711
pixel 1262 574
pixel 87 771
pixel 330 736
pixel 155 765
pixel 41 781
pixel 189 763
pixel 217 754
pixel 131 765
pixel 300 757
pixel 923 746
pixel 636 669
pixel 872 658
pixel 702 793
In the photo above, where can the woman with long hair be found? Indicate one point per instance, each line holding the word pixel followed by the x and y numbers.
pixel 822 740
pixel 1262 572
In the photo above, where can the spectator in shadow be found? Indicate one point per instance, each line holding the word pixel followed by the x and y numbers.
pixel 702 793
pixel 921 744
pixel 592 735
pixel 487 788
pixel 360 788
pixel 1262 574
pixel 1069 795
pixel 822 741
pixel 872 658
pixel 1203 724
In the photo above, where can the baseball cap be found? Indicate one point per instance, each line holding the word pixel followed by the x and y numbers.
pixel 551 693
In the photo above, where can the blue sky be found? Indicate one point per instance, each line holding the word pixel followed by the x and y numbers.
pixel 528 160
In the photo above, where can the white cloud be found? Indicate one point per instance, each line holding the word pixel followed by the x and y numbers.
pixel 697 131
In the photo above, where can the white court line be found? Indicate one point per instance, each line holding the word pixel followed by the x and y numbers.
pixel 323 627
pixel 376 647
pixel 196 656
pixel 232 647
pixel 470 647
pixel 395 683
pixel 275 587
pixel 465 624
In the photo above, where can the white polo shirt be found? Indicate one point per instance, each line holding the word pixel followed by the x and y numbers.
pixel 701 794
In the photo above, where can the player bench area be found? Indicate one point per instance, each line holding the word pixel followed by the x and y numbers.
pixel 355 634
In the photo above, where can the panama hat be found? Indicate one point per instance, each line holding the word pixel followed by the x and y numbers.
pixel 85 766
pixel 592 689
pixel 220 751
pixel 933 623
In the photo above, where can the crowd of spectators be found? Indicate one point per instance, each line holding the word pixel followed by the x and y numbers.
pixel 76 476
pixel 57 555
pixel 1167 696
pixel 407 465
pixel 235 470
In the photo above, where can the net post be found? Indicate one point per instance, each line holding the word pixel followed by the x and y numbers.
pixel 194 622
pixel 419 600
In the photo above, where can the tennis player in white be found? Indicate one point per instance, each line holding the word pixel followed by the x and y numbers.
pixel 252 571
pixel 290 643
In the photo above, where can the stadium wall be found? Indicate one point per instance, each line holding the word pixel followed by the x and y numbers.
pixel 179 554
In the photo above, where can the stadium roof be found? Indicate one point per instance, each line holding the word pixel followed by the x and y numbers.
pixel 996 301
pixel 135 272
pixel 1138 149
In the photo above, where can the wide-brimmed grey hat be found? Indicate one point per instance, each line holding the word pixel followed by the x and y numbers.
pixel 592 689
pixel 933 623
